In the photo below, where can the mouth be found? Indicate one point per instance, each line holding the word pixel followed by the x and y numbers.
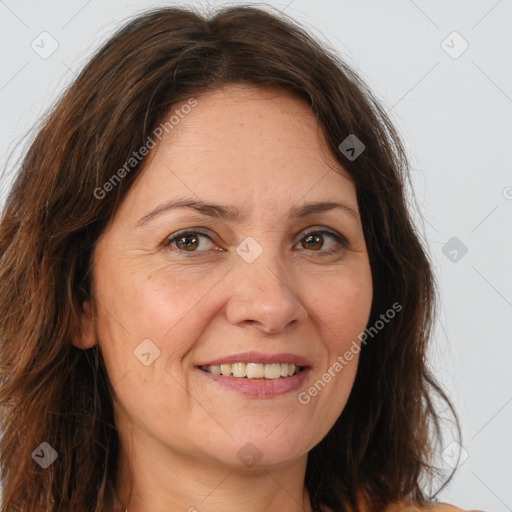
pixel 257 375
pixel 257 371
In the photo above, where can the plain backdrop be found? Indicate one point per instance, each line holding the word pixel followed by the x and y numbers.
pixel 443 70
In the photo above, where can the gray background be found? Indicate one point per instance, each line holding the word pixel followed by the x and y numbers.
pixel 454 112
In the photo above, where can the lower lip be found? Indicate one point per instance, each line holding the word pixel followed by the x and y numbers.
pixel 261 388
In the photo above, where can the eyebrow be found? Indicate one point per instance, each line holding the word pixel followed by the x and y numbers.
pixel 228 212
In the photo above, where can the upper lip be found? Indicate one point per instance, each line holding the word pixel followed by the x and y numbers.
pixel 259 357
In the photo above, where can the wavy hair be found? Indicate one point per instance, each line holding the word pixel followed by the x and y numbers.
pixel 382 446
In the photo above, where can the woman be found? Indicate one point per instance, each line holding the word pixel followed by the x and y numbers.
pixel 212 293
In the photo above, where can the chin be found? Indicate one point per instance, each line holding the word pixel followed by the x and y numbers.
pixel 260 452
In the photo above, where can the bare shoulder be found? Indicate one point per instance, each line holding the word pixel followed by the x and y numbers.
pixel 407 506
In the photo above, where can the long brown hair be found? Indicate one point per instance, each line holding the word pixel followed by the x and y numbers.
pixel 383 443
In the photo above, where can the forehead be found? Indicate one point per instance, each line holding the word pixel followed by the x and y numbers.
pixel 252 117
pixel 244 145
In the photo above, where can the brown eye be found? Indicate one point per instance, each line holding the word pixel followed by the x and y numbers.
pixel 188 241
pixel 314 241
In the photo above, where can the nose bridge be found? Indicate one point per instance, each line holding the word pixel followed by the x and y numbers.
pixel 261 256
pixel 262 265
pixel 262 290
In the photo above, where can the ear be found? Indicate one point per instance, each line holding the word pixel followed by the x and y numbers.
pixel 86 337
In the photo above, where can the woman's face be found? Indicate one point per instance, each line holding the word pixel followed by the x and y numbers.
pixel 249 289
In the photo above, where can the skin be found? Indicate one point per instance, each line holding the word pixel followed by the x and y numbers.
pixel 262 152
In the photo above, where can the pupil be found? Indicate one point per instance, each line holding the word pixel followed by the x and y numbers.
pixel 188 237
pixel 312 237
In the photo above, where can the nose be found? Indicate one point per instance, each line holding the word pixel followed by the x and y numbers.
pixel 263 297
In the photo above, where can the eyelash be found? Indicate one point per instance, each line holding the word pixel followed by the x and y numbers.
pixel 340 239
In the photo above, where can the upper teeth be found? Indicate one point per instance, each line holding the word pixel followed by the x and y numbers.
pixel 253 370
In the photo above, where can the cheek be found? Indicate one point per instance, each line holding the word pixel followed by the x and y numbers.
pixel 159 304
pixel 341 314
pixel 343 307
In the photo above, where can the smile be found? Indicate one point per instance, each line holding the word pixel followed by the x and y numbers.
pixel 254 370
pixel 257 387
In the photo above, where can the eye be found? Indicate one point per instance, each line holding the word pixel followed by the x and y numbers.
pixel 189 242
pixel 314 239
